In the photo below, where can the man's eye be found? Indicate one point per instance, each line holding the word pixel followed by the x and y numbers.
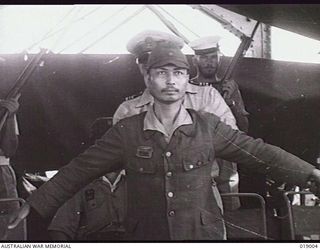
pixel 161 72
pixel 179 73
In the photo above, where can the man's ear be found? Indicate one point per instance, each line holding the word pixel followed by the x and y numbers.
pixel 147 79
pixel 142 69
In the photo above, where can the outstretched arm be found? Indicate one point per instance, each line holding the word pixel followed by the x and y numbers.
pixel 101 158
pixel 237 147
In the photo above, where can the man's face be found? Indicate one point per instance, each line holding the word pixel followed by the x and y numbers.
pixel 208 64
pixel 167 84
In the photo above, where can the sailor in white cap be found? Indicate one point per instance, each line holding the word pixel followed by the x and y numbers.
pixel 207 62
pixel 199 98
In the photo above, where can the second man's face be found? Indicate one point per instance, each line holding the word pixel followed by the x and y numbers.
pixel 208 64
pixel 167 84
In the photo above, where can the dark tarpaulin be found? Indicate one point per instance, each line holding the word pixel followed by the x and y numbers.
pixel 69 92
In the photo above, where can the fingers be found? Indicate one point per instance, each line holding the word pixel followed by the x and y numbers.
pixel 18 216
pixel 28 186
pixel 36 177
pixel 11 105
pixel 17 97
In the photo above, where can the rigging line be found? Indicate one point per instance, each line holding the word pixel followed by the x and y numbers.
pixel 51 29
pixel 90 31
pixel 181 23
pixel 62 28
pixel 167 23
pixel 67 27
pixel 247 230
pixel 114 28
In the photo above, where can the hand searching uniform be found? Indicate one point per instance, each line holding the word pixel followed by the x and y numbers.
pixel 169 184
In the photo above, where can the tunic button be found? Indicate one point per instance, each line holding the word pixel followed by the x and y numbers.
pixel 170 194
pixel 141 169
pixel 199 163
pixel 191 166
pixel 172 213
pixel 169 174
pixel 168 154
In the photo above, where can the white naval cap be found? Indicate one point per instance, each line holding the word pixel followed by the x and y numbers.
pixel 205 45
pixel 144 42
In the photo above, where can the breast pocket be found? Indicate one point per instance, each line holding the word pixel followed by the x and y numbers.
pixel 141 166
pixel 196 167
pixel 196 158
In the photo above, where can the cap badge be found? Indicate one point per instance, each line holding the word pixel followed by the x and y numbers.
pixel 149 43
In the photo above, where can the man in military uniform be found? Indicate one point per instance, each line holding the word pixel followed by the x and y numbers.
pixel 203 98
pixel 167 153
pixel 8 145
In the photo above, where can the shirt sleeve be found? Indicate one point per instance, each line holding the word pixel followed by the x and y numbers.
pixel 235 146
pixel 119 114
pixel 215 104
pixel 103 157
pixel 239 111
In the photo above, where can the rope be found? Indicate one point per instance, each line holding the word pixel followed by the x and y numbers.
pixel 90 31
pixel 181 23
pixel 52 33
pixel 112 30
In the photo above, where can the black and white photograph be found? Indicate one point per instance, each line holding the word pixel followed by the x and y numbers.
pixel 159 123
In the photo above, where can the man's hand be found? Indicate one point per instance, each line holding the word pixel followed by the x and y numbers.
pixel 314 182
pixel 228 88
pixel 11 104
pixel 29 187
pixel 36 177
pixel 18 216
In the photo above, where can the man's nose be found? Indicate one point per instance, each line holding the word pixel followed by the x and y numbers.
pixel 170 79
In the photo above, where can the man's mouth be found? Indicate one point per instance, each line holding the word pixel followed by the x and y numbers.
pixel 170 90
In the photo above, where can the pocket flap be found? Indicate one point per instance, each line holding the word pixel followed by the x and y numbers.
pixel 197 159
pixel 143 166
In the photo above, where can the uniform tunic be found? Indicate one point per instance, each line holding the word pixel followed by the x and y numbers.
pixel 8 182
pixel 169 184
pixel 199 98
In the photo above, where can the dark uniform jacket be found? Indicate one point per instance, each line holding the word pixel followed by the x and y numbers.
pixel 169 185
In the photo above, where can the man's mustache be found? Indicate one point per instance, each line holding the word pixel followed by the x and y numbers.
pixel 170 90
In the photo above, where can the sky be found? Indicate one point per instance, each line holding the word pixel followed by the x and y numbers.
pixel 99 29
